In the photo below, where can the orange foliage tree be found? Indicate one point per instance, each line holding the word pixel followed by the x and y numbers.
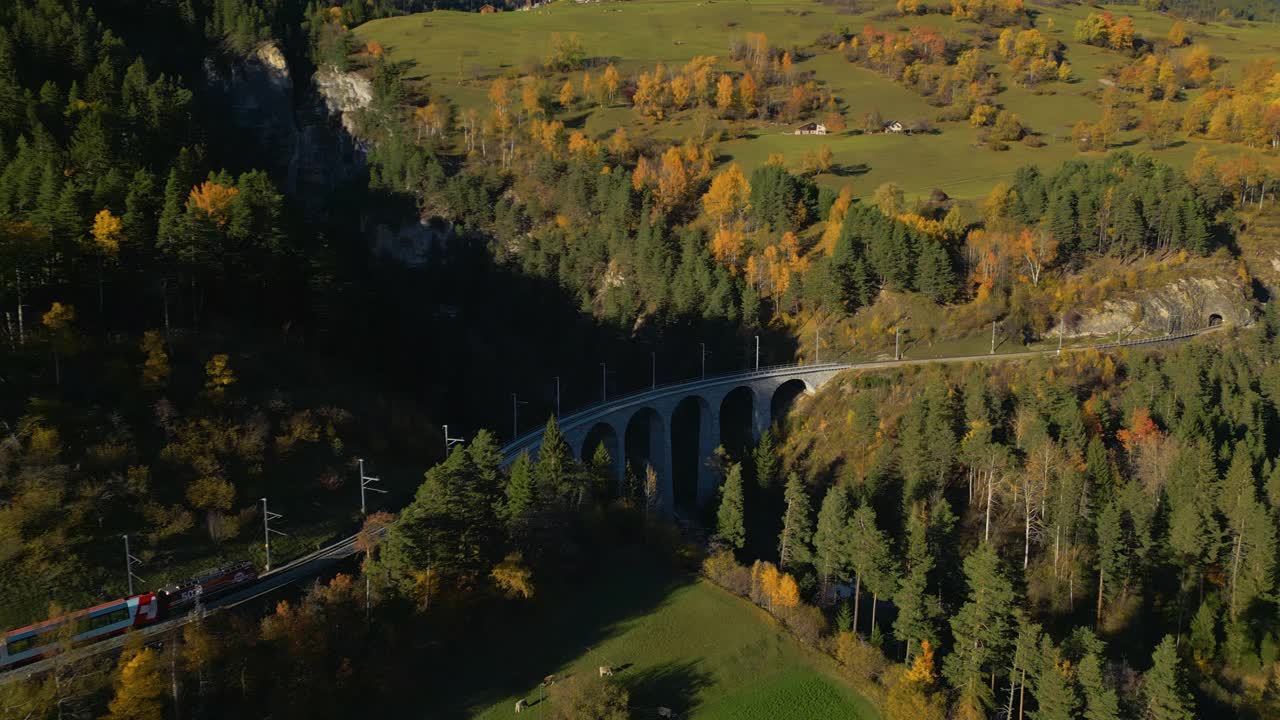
pixel 213 199
pixel 1037 247
pixel 726 201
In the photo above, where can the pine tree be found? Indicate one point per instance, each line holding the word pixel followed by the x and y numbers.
pixel 868 557
pixel 140 213
pixel 913 446
pixel 1204 630
pixel 1054 690
pixel 729 516
pixel 982 628
pixel 1100 701
pixel 830 540
pixel 765 459
pixel 170 230
pixel 486 457
pixel 917 610
pixel 521 491
pixel 844 618
pixel 1163 688
pixel 797 528
pixel 1098 470
pixel 555 466
pixel 934 275
pixel 1112 555
pixel 1251 550
pixel 602 471
pixel 449 530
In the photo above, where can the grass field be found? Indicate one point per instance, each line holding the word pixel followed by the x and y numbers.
pixel 683 644
pixel 457 54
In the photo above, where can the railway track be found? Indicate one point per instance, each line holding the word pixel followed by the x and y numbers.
pixel 316 562
pixel 304 567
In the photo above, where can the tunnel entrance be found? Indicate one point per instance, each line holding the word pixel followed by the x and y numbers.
pixel 686 450
pixel 736 423
pixel 1215 320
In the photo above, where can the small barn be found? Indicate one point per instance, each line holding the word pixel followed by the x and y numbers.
pixel 488 10
pixel 811 129
pixel 893 127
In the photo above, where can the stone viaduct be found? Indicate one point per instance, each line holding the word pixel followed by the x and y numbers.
pixel 647 416
pixel 650 413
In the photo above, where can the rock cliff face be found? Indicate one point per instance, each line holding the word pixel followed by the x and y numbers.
pixel 342 94
pixel 1185 304
pixel 410 242
pixel 305 137
pixel 309 137
pixel 259 90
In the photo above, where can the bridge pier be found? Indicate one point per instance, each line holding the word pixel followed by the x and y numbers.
pixel 661 405
pixel 761 410
pixel 660 460
pixel 708 441
pixel 620 464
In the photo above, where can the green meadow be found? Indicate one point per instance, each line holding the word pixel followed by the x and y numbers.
pixel 683 644
pixel 457 55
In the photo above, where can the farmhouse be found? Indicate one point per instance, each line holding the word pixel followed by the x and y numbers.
pixel 893 127
pixel 812 129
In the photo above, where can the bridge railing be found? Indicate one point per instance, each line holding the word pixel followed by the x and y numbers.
pixel 662 388
pixel 523 441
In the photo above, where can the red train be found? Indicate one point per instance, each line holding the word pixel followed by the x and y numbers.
pixel 49 637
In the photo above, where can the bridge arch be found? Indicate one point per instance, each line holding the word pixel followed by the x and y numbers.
pixel 647 443
pixel 605 433
pixel 641 429
pixel 785 395
pixel 695 435
pixel 737 421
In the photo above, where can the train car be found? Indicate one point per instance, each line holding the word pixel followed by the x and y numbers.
pixel 179 597
pixel 47 638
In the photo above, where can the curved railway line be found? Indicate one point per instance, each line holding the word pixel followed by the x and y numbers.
pixel 317 562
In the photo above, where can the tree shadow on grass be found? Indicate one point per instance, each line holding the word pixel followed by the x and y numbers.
pixel 576 121
pixel 850 170
pixel 672 685
pixel 513 653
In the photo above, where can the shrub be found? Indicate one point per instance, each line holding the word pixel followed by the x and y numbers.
pixel 862 660
pixel 723 570
pixel 582 696
pixel 805 621
pixel 908 700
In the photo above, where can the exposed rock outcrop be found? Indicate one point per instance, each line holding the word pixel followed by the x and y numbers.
pixel 409 243
pixel 309 137
pixel 1185 304
pixel 343 94
pixel 259 90
pixel 304 137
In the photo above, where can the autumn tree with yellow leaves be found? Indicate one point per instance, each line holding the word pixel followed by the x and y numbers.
pixel 139 689
pixel 728 199
pixel 218 375
pixel 725 95
pixel 155 366
pixel 913 696
pixel 513 576
pixel 58 321
pixel 771 588
pixel 610 82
